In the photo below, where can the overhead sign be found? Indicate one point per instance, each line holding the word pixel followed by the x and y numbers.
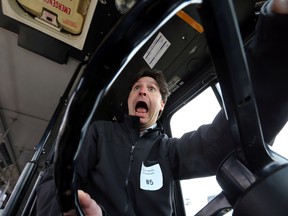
pixel 156 50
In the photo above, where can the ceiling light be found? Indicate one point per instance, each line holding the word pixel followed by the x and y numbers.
pixel 123 6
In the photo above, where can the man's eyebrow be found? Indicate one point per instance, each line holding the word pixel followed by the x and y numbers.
pixel 155 83
pixel 149 82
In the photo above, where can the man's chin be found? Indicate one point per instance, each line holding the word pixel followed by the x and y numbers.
pixel 143 121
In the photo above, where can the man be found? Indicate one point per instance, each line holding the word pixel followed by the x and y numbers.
pixel 128 168
pixel 144 99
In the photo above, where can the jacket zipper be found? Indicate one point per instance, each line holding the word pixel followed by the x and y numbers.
pixel 129 171
pixel 127 177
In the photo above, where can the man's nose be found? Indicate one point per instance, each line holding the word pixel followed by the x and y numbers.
pixel 143 91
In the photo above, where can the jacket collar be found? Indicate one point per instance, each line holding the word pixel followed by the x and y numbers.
pixel 132 125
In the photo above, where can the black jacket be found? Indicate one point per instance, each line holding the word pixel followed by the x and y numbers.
pixel 114 156
pixel 119 169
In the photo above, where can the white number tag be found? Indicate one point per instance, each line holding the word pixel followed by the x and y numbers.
pixel 151 178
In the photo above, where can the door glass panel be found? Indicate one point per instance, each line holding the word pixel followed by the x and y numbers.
pixel 280 143
pixel 201 110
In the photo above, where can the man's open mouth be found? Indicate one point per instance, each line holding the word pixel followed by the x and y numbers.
pixel 141 107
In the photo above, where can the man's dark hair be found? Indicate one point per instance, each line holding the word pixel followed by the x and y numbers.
pixel 158 76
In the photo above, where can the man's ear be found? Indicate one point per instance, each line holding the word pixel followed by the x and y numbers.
pixel 162 105
pixel 161 109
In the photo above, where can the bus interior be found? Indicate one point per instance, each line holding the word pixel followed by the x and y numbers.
pixel 44 62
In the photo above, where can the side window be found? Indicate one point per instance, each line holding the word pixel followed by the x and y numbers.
pixel 280 143
pixel 202 110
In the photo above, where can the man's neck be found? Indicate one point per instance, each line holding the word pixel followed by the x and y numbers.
pixel 144 130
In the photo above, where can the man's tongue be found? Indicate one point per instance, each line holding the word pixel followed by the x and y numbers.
pixel 141 107
pixel 141 110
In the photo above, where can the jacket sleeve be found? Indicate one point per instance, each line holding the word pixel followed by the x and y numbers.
pixel 199 153
pixel 47 203
pixel 268 62
pixel 88 155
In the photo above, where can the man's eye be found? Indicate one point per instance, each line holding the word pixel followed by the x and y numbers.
pixel 152 89
pixel 136 87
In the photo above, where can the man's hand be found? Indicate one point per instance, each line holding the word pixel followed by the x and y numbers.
pixel 88 205
pixel 279 6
